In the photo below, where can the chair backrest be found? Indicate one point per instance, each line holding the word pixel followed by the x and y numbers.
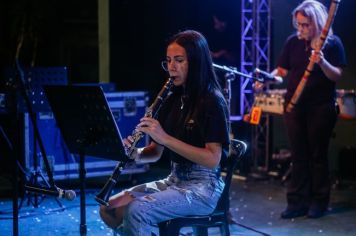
pixel 237 150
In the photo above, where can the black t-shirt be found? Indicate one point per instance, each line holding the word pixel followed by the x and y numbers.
pixel 295 58
pixel 209 125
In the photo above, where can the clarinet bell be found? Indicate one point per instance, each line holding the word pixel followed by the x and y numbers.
pixel 103 196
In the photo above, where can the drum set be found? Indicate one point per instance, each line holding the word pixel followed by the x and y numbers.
pixel 272 101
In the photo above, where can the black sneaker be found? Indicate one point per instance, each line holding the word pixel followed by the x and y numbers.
pixel 289 214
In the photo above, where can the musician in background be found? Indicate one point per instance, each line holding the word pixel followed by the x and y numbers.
pixel 222 41
pixel 193 126
pixel 310 123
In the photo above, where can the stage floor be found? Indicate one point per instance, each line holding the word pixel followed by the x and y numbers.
pixel 256 204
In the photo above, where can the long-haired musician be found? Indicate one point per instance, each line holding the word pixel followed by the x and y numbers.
pixel 310 123
pixel 192 126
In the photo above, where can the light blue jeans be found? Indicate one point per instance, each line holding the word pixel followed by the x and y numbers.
pixel 190 189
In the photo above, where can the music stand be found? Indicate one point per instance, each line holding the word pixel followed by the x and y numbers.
pixel 87 126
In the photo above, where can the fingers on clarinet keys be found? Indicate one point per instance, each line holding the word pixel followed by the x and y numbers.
pixel 127 142
pixel 127 145
pixel 142 124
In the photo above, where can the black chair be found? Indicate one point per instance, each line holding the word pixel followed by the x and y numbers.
pixel 219 218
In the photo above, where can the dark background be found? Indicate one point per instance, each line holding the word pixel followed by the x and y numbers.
pixel 65 33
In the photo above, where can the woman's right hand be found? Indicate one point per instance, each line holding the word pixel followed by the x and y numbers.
pixel 128 141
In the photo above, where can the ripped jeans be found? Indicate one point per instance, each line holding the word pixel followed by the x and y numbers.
pixel 190 189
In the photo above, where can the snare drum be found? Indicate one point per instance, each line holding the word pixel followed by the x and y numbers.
pixel 346 99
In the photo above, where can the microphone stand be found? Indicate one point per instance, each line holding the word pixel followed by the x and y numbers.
pixel 24 88
pixel 233 70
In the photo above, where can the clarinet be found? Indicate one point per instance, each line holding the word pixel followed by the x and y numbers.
pixel 103 196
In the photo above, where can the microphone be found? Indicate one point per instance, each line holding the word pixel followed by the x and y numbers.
pixel 268 77
pixel 57 192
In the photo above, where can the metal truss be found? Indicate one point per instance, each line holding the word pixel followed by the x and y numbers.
pixel 255 53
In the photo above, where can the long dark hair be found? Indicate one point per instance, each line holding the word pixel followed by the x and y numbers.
pixel 201 79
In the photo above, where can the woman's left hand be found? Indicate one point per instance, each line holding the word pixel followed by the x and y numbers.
pixel 153 128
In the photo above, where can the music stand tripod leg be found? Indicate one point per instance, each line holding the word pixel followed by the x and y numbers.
pixel 15 194
pixel 36 174
pixel 82 173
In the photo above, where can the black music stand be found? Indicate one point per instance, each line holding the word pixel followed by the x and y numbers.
pixel 88 128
